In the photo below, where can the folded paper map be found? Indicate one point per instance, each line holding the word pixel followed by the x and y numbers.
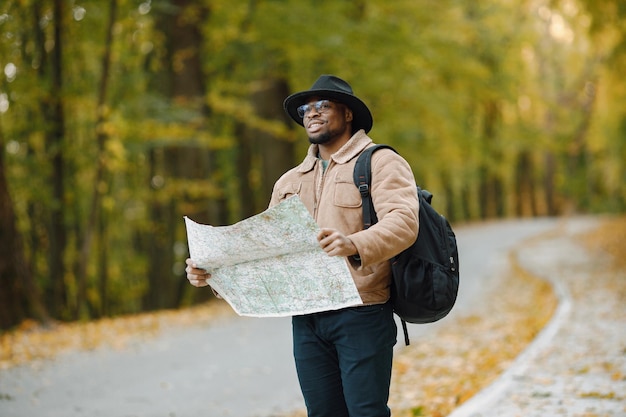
pixel 271 265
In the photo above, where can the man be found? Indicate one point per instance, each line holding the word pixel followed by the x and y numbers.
pixel 343 357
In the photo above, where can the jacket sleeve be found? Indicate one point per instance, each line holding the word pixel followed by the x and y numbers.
pixel 394 195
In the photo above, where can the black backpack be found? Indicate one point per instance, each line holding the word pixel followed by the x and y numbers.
pixel 426 275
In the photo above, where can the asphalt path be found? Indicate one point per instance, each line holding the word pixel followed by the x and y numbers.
pixel 234 367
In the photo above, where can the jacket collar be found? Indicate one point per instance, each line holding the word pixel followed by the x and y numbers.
pixel 353 147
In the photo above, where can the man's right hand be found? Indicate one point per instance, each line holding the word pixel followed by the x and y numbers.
pixel 197 277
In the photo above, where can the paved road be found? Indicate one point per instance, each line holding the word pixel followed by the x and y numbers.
pixel 239 367
pixel 576 365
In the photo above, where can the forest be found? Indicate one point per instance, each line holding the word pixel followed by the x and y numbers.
pixel 119 117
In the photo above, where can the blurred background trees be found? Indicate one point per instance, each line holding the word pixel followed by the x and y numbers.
pixel 119 117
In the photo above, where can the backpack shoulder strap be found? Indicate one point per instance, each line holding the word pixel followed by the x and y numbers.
pixel 363 180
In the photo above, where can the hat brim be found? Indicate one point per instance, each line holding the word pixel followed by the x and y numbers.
pixel 361 115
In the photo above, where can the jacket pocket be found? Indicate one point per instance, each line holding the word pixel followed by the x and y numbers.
pixel 346 194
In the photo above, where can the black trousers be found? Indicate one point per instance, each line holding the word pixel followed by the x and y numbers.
pixel 343 359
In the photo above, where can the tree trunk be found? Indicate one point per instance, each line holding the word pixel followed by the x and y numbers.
pixel 19 297
pixel 52 109
pixel 183 82
pixel 524 187
pixel 261 152
pixel 94 213
pixel 549 189
pixel 247 190
pixel 277 155
pixel 492 204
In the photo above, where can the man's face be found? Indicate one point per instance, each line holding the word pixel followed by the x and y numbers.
pixel 325 120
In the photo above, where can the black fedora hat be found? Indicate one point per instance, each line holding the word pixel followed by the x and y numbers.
pixel 332 88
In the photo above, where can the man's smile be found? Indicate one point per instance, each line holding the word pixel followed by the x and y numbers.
pixel 316 121
pixel 314 125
